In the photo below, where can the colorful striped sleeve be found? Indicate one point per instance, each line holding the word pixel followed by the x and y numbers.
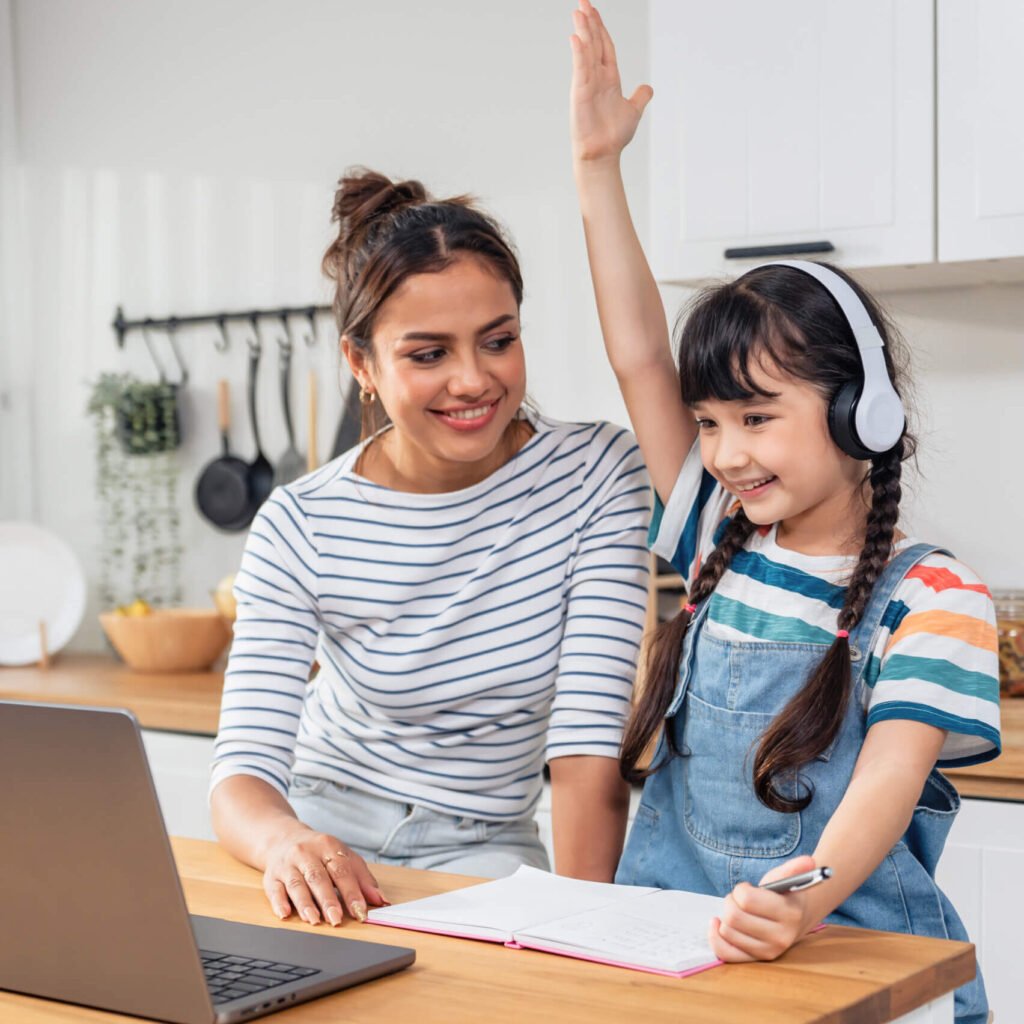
pixel 939 664
pixel 683 531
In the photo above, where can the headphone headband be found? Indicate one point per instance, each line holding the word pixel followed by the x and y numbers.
pixel 865 419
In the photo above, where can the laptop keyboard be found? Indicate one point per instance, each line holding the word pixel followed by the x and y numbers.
pixel 230 977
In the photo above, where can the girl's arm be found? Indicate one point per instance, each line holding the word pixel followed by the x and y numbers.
pixel 875 812
pixel 630 309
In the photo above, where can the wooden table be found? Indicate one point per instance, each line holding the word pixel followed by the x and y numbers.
pixel 838 976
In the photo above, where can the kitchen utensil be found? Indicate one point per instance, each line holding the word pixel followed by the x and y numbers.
pixel 261 473
pixel 168 639
pixel 222 490
pixel 311 459
pixel 41 582
pixel 291 464
pixel 350 426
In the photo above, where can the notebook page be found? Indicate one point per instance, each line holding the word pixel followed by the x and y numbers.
pixel 506 905
pixel 665 930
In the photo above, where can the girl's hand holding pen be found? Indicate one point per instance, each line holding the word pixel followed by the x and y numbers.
pixel 758 924
pixel 602 119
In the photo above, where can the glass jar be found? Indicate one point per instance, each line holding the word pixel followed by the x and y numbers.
pixel 1010 630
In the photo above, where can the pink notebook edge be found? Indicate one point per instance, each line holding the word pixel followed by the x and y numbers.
pixel 514 944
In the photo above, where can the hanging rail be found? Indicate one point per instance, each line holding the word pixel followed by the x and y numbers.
pixel 172 323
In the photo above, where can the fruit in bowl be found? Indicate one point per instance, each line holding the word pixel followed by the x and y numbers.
pixel 224 597
pixel 167 639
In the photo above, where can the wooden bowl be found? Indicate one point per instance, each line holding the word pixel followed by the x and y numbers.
pixel 168 640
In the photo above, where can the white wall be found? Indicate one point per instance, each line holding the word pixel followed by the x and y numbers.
pixel 177 158
pixel 180 158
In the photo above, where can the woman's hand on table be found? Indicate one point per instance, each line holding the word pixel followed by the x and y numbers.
pixel 308 870
pixel 758 924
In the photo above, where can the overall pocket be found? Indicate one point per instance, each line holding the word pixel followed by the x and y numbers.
pixel 720 809
pixel 933 817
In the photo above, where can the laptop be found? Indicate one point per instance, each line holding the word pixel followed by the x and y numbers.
pixel 92 907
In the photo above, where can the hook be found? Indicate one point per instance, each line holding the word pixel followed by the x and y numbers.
pixel 172 329
pixel 152 352
pixel 311 337
pixel 223 340
pixel 255 345
pixel 285 343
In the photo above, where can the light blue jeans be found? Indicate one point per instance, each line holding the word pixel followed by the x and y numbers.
pixel 387 831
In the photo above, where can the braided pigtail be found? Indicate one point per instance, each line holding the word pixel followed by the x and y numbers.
pixel 661 666
pixel 809 723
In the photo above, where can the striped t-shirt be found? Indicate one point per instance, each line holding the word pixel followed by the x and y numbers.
pixel 935 660
pixel 462 637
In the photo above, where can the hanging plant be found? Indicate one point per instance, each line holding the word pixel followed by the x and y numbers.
pixel 136 434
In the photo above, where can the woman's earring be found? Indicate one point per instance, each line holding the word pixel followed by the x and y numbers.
pixel 366 396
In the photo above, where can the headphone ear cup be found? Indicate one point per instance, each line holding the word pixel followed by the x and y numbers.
pixel 841 421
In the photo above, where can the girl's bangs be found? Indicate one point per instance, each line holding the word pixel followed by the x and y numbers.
pixel 726 336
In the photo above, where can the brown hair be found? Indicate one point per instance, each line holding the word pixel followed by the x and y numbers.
pixel 388 231
pixel 784 315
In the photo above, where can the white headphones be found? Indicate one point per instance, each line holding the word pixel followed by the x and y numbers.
pixel 865 418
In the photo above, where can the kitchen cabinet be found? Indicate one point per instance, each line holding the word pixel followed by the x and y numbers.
pixel 980 141
pixel 180 765
pixel 980 872
pixel 887 129
pixel 790 122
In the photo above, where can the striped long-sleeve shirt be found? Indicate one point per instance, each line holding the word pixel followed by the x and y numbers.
pixel 935 658
pixel 462 637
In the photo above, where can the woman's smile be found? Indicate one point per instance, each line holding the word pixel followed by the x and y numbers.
pixel 468 417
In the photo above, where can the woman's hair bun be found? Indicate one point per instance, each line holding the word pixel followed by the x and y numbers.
pixel 364 198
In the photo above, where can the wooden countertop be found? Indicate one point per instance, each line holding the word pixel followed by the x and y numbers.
pixel 837 976
pixel 174 701
pixel 190 702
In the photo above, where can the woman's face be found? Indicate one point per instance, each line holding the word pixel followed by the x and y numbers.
pixel 448 368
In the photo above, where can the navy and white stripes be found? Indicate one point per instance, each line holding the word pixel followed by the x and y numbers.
pixel 462 637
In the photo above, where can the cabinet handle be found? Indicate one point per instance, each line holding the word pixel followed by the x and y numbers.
pixel 792 249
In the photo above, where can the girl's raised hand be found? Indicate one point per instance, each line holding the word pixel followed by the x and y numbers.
pixel 758 924
pixel 602 120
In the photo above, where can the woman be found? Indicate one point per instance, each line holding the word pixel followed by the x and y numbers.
pixel 471 580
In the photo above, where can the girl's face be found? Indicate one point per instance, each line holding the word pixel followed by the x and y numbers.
pixel 448 367
pixel 777 457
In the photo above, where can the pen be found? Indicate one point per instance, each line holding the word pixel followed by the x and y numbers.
pixel 797 882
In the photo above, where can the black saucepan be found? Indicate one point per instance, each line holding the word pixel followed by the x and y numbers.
pixel 222 490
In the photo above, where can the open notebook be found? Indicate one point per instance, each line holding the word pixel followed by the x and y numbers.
pixel 658 930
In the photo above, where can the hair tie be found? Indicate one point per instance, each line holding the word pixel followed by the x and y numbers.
pixel 843 634
pixel 691 608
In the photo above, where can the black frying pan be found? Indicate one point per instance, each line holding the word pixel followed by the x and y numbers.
pixel 222 490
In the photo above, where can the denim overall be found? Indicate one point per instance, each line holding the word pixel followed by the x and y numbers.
pixel 700 826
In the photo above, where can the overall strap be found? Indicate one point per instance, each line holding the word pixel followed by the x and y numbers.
pixel 862 636
pixel 696 623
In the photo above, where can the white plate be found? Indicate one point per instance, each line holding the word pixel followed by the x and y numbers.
pixel 41 580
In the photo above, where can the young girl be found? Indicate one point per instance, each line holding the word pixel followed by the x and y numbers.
pixel 825 662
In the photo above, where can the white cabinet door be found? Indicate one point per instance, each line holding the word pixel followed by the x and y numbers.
pixel 788 122
pixel 180 764
pixel 980 129
pixel 980 871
